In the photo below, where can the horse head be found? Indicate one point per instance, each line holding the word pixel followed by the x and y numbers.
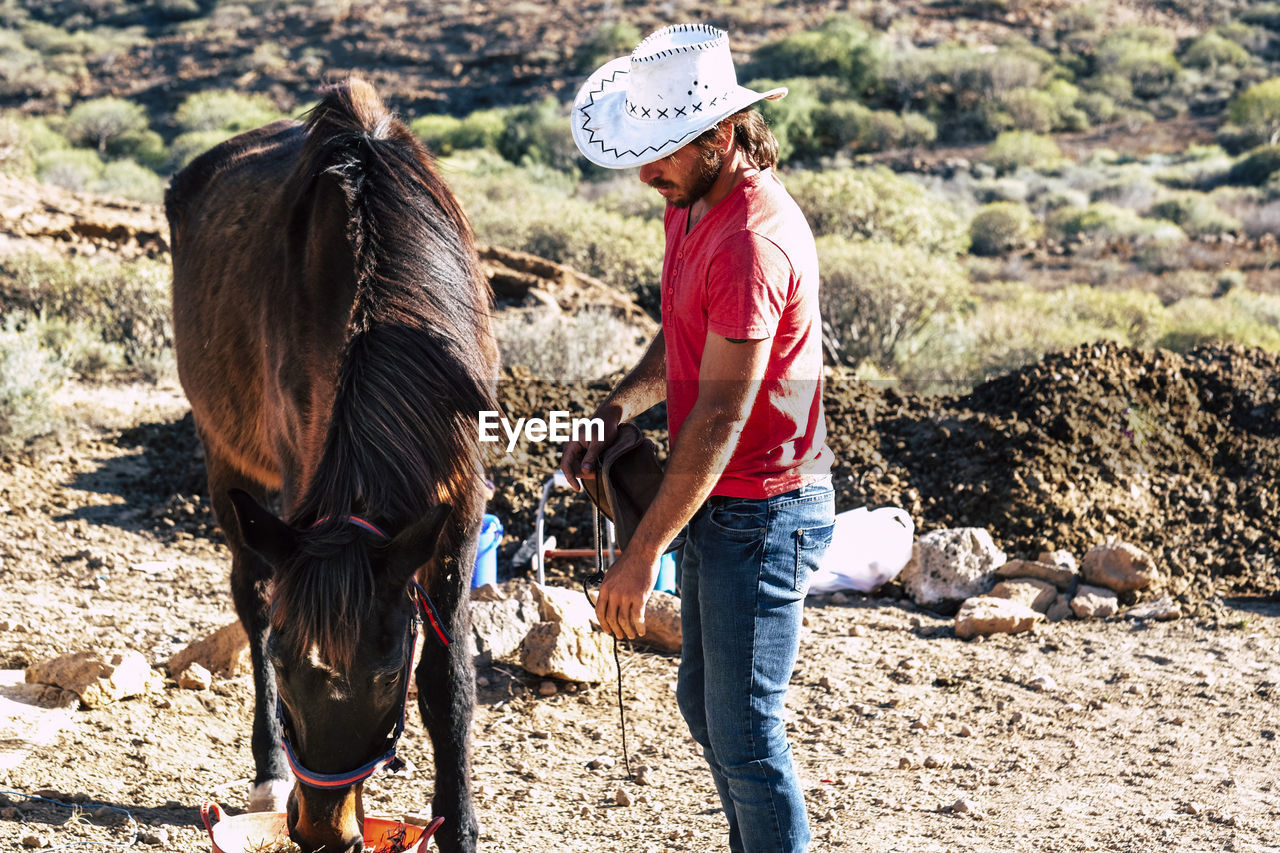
pixel 344 616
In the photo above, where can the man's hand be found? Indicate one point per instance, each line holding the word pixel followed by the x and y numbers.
pixel 580 458
pixel 626 588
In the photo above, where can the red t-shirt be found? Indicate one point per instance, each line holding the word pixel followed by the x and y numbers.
pixel 749 269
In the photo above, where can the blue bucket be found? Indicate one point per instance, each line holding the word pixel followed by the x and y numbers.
pixel 666 581
pixel 486 570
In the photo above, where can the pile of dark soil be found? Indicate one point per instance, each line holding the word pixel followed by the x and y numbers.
pixel 1177 454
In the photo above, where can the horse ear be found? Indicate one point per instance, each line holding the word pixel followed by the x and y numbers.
pixel 268 536
pixel 415 545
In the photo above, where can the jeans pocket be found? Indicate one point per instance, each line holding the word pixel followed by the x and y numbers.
pixel 742 519
pixel 811 545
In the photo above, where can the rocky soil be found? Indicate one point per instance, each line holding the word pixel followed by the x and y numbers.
pixel 1118 735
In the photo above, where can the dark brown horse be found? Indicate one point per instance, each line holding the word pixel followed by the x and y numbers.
pixel 332 334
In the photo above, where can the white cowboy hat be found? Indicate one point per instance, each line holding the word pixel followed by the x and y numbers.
pixel 677 83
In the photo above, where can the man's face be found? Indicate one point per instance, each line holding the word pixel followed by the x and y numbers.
pixel 684 176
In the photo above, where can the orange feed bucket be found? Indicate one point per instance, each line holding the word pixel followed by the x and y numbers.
pixel 241 833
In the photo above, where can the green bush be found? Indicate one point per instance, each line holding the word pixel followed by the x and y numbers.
pixel 1240 317
pixel 1108 223
pixel 553 345
pixel 538 134
pixel 126 179
pixel 1211 51
pixel 607 41
pixel 816 117
pixel 73 169
pixel 125 304
pixel 918 130
pixel 1029 109
pixel 445 135
pixel 875 204
pixel 876 297
pixel 840 48
pixel 224 111
pixel 145 146
pixel 1015 149
pixel 1255 168
pixel 1002 227
pixel 30 376
pixel 1098 107
pixel 956 86
pixel 1145 59
pixel 1196 214
pixel 532 210
pixel 1014 324
pixel 100 122
pixel 1257 111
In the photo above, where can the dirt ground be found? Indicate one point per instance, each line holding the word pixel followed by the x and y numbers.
pixel 1117 735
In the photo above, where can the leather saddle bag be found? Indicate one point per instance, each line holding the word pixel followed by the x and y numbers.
pixel 626 482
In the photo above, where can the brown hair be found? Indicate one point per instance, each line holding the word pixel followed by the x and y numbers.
pixel 750 132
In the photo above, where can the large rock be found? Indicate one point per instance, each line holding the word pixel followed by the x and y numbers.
pixel 98 678
pixel 225 652
pixel 1094 602
pixel 559 650
pixel 565 604
pixel 984 616
pixel 1060 576
pixel 1119 566
pixel 1033 593
pixel 949 566
pixel 662 622
pixel 500 619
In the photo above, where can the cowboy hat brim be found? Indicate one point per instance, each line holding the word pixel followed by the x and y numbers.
pixel 608 136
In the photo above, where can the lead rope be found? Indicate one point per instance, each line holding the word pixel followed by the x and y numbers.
pixel 597 579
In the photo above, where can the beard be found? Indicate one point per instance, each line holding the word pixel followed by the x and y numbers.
pixel 709 166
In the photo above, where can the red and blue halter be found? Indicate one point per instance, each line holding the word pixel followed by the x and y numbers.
pixel 422 608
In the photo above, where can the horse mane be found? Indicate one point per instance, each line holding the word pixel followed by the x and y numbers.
pixel 402 435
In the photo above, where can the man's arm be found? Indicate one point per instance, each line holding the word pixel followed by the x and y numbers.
pixel 728 382
pixel 640 390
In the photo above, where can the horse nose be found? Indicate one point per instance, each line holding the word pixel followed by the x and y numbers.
pixel 330 831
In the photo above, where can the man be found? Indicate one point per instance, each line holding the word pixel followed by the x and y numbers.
pixel 738 361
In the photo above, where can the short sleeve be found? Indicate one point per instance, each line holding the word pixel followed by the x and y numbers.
pixel 748 286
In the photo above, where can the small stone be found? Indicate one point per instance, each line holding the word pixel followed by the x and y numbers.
pixel 622 798
pixel 905 763
pixel 482 681
pixel 548 688
pixel 1191 808
pixel 963 806
pixel 1042 683
pixel 936 761
pixel 10 813
pixel 34 842
pixel 839 598
pixel 641 776
pixel 604 762
pixel 158 838
pixel 195 677
pixel 857 631
pixel 964 731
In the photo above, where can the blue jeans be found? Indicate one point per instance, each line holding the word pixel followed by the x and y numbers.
pixel 744 572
